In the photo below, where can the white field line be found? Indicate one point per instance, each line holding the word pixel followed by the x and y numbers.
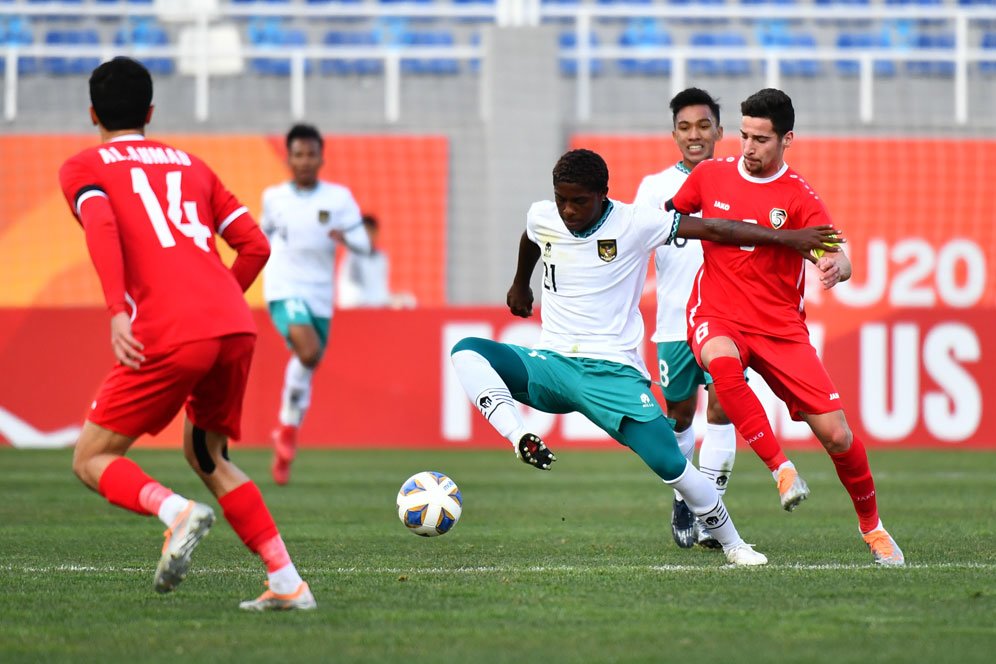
pixel 493 569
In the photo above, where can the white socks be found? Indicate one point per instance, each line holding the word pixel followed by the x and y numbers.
pixel 705 502
pixel 285 580
pixel 296 395
pixel 171 508
pixel 686 443
pixel 717 454
pixel 489 394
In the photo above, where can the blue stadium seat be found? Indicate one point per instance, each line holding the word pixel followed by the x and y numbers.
pixel 722 66
pixel 849 4
pixel 865 41
pixel 989 44
pixel 704 4
pixel 345 66
pixel 68 9
pixel 559 3
pixel 66 66
pixel 640 34
pixel 780 39
pixel 569 64
pixel 16 30
pixel 269 33
pixel 144 32
pixel 441 66
pixel 944 41
pixel 475 4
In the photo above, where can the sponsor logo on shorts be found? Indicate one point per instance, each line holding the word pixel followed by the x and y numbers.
pixel 607 250
pixel 646 400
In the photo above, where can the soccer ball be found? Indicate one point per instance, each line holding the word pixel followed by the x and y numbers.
pixel 429 503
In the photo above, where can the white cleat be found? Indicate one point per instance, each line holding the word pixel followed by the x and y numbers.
pixel 300 600
pixel 792 489
pixel 884 549
pixel 189 528
pixel 744 555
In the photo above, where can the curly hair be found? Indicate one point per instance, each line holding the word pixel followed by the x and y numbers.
pixel 584 168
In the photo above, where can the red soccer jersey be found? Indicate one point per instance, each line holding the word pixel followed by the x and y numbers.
pixel 759 288
pixel 167 206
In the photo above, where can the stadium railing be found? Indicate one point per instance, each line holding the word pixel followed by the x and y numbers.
pixel 586 52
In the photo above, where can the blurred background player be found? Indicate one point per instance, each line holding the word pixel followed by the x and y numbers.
pixel 180 329
pixel 595 252
pixel 746 309
pixel 364 279
pixel 697 128
pixel 304 219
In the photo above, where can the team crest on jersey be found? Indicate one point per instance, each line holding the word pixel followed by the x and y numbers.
pixel 778 217
pixel 607 250
pixel 324 216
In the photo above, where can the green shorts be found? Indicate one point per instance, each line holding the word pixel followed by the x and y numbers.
pixel 680 374
pixel 604 392
pixel 295 311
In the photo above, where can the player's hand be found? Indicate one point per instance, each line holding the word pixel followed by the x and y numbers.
pixel 127 349
pixel 804 240
pixel 830 273
pixel 520 300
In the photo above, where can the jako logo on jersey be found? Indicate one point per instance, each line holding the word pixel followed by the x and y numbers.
pixel 834 395
pixel 324 216
pixel 721 205
pixel 607 250
pixel 778 217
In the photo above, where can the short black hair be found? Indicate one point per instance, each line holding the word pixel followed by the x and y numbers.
pixel 693 97
pixel 306 132
pixel 772 104
pixel 582 167
pixel 369 221
pixel 121 93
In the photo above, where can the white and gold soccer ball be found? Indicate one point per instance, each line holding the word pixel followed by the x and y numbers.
pixel 429 503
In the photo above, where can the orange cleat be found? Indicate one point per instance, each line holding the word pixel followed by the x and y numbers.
pixel 189 528
pixel 284 450
pixel 301 600
pixel 884 549
pixel 792 489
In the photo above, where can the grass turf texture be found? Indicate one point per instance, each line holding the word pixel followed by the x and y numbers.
pixel 574 565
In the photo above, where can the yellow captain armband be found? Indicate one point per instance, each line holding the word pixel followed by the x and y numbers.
pixel 818 253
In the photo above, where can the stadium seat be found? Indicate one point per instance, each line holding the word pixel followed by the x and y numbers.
pixel 567 4
pixel 438 38
pixel 70 66
pixel 641 34
pixel 848 4
pixel 722 66
pixel 488 5
pixel 17 31
pixel 944 41
pixel 569 63
pixel 692 5
pixel 144 32
pixel 270 34
pixel 780 39
pixel 345 66
pixel 865 41
pixel 988 43
pixel 69 10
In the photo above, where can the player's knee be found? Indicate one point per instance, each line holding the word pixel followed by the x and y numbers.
pixel 473 344
pixel 310 357
pixel 837 438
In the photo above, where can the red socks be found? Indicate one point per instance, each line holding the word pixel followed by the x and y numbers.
pixel 745 410
pixel 245 510
pixel 124 484
pixel 855 474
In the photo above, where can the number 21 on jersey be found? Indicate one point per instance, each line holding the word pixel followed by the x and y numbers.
pixel 176 210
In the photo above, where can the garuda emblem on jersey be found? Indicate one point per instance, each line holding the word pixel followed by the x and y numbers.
pixel 607 250
pixel 778 217
pixel 324 216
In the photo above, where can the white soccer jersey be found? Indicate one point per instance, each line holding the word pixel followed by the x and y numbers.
pixel 677 263
pixel 302 254
pixel 592 284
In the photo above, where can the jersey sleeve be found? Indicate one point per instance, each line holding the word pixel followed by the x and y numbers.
pixel 348 216
pixel 225 207
pixel 78 182
pixel 812 211
pixel 655 227
pixel 688 200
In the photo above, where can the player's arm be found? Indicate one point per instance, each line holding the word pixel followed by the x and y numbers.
pixel 834 268
pixel 251 247
pixel 520 295
pixel 355 238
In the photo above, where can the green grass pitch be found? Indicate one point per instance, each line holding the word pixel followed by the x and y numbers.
pixel 574 565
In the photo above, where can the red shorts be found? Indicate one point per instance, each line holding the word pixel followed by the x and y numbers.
pixel 209 376
pixel 790 367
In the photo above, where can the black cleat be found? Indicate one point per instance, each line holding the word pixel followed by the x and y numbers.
pixel 682 524
pixel 704 538
pixel 533 451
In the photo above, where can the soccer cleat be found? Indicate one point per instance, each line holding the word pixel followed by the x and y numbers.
pixel 792 489
pixel 300 600
pixel 884 549
pixel 189 528
pixel 704 538
pixel 744 555
pixel 533 451
pixel 682 524
pixel 284 450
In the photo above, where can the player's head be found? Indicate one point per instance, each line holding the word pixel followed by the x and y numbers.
pixel 766 131
pixel 580 187
pixel 696 125
pixel 121 95
pixel 371 226
pixel 305 154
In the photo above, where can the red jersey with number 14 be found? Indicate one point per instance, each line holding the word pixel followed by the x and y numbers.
pixel 761 288
pixel 168 206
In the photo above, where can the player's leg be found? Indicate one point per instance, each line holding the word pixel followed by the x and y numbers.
pixel 679 384
pixel 214 414
pixel 491 373
pixel 654 442
pixel 719 351
pixel 850 459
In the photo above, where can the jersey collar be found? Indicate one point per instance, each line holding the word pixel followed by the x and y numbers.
pixel 682 168
pixel 750 178
pixel 127 137
pixel 598 224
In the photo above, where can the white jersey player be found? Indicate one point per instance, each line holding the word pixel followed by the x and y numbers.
pixel 595 253
pixel 696 130
pixel 304 219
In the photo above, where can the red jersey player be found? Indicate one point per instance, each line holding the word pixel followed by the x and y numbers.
pixel 180 329
pixel 746 308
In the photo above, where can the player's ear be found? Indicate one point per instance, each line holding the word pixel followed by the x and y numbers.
pixel 93 117
pixel 148 114
pixel 787 139
pixel 719 133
